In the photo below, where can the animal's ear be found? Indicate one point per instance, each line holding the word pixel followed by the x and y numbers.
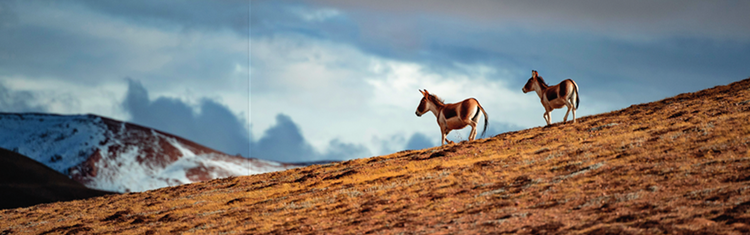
pixel 421 91
pixel 534 73
pixel 426 92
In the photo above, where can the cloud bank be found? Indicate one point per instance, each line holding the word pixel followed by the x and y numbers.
pixel 18 101
pixel 215 126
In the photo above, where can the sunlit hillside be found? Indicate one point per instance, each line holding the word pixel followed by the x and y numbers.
pixel 678 165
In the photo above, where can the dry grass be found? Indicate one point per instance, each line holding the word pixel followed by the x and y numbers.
pixel 678 165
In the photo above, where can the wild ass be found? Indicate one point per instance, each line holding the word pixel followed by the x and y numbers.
pixel 452 116
pixel 554 97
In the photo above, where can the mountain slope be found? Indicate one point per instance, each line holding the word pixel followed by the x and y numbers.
pixel 25 182
pixel 679 165
pixel 111 155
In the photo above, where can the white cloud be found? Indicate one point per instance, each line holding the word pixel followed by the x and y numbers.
pixel 316 15
pixel 62 97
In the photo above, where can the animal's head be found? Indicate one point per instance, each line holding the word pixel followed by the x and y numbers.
pixel 531 83
pixel 424 104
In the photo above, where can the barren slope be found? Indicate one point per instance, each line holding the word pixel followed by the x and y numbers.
pixel 678 165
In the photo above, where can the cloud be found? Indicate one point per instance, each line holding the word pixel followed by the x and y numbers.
pixel 283 142
pixel 317 15
pixel 496 128
pixel 391 143
pixel 338 150
pixel 613 49
pixel 215 126
pixel 18 101
pixel 8 15
pixel 419 141
pixel 187 15
pixel 719 19
pixel 85 45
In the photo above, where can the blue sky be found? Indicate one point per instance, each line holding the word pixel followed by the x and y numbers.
pixel 315 80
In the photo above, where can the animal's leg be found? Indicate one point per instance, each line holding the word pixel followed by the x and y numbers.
pixel 473 133
pixel 547 117
pixel 570 106
pixel 574 115
pixel 443 138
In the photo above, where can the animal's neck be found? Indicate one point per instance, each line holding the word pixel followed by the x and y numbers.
pixel 540 88
pixel 436 104
pixel 436 108
pixel 543 86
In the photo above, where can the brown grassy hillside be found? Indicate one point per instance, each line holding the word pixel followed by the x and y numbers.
pixel 678 165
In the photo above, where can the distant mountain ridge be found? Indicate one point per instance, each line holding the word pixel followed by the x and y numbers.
pixel 107 154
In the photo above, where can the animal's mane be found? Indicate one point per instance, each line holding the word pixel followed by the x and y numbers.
pixel 541 80
pixel 437 98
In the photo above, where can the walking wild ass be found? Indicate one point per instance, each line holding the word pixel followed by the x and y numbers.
pixel 554 97
pixel 452 116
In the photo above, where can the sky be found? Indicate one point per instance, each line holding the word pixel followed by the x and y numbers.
pixel 303 81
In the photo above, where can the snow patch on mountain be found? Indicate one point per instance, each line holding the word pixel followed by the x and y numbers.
pixel 111 155
pixel 60 142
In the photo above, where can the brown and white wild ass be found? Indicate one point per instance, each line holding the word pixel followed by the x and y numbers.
pixel 554 97
pixel 452 116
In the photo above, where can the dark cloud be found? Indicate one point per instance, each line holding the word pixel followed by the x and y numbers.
pixel 218 128
pixel 8 15
pixel 188 15
pixel 338 150
pixel 419 141
pixel 215 126
pixel 283 142
pixel 18 101
pixel 724 19
pixel 48 52
pixel 164 41
pixel 390 144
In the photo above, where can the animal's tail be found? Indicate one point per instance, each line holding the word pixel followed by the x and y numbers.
pixel 578 100
pixel 486 119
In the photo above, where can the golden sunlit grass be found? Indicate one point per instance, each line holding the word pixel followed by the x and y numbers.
pixel 678 165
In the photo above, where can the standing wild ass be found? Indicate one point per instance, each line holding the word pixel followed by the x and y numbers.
pixel 452 116
pixel 554 97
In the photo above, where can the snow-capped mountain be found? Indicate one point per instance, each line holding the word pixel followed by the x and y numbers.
pixel 111 155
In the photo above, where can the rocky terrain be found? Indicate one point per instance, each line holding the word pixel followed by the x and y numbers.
pixel 678 165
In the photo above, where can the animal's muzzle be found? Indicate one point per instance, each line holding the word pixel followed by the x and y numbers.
pixel 418 114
